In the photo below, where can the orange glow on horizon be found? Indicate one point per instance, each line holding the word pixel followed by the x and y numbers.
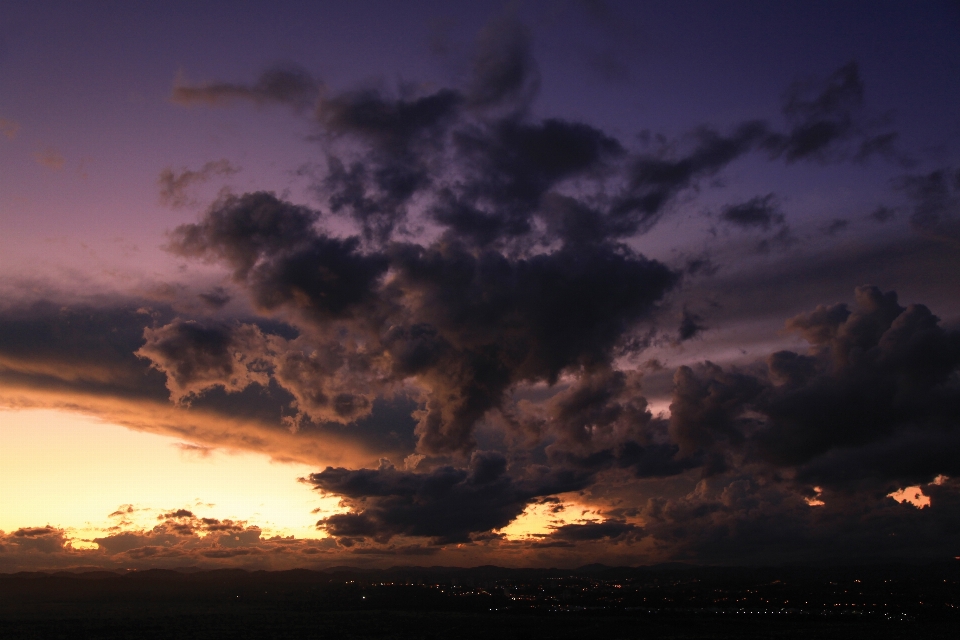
pixel 815 501
pixel 912 495
pixel 72 471
pixel 541 519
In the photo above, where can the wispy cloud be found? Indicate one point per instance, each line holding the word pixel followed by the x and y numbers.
pixel 175 185
pixel 49 158
pixel 9 128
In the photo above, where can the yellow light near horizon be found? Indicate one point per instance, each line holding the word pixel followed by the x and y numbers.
pixel 912 495
pixel 72 471
pixel 539 520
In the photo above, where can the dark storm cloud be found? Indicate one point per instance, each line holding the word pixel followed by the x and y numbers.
pixel 446 504
pixel 602 422
pixel 604 407
pixel 802 279
pixel 93 355
pixel 508 173
pixel 376 201
pixel 707 407
pixel 754 519
pixel 273 247
pixel 495 177
pixel 875 375
pixel 485 298
pixel 905 458
pixel 824 120
pixel 195 357
pixel 727 414
pixel 391 126
pixel 654 180
pixel 406 138
pixel 504 180
pixel 880 370
pixel 238 230
pixel 502 169
pixel 84 346
pixel 525 284
pixel 466 324
pixel 401 136
pixel 511 167
pixel 500 318
pixel 222 365
pixel 282 85
pixel 606 530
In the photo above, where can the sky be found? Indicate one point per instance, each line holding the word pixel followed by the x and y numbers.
pixel 530 284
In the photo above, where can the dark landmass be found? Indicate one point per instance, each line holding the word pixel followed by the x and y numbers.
pixel 675 601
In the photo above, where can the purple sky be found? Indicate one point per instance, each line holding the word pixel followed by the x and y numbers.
pixel 540 253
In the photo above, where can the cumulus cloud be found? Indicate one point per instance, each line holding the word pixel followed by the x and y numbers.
pixel 469 297
pixel 606 530
pixel 707 406
pixel 196 357
pixel 877 378
pixel 868 409
pixel 465 324
pixel 446 504
pixel 83 357
pixel 756 519
pixel 872 404
pixel 879 371
pixel 45 540
pixel 472 160
pixel 179 538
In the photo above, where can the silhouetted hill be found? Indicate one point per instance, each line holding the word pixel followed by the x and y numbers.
pixel 678 601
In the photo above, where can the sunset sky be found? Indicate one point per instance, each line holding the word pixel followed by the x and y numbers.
pixel 307 284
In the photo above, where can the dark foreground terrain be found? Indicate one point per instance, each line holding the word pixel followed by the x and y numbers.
pixel 487 602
